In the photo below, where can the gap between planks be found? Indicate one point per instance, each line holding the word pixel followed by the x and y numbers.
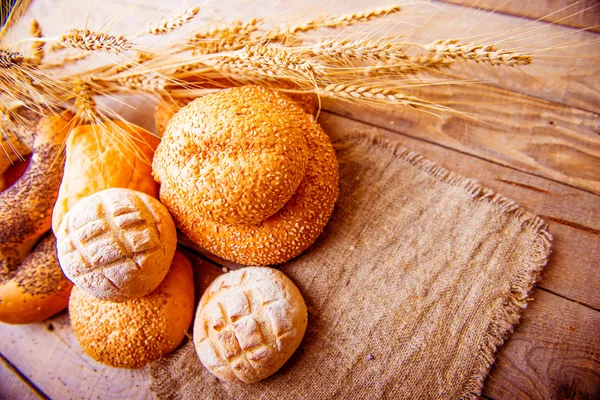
pixel 28 388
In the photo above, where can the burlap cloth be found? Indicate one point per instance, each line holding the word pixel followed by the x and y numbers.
pixel 417 280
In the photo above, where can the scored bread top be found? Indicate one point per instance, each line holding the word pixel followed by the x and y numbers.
pixel 117 244
pixel 248 324
pixel 235 156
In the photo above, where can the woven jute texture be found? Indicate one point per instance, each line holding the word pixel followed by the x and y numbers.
pixel 419 277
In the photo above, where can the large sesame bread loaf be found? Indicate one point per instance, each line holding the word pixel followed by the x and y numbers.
pixel 235 156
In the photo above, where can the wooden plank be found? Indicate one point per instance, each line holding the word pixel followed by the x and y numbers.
pixel 553 354
pixel 573 269
pixel 545 139
pixel 48 354
pixel 13 386
pixel 578 14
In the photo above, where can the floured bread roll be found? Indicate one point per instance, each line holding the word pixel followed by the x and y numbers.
pixel 248 324
pixel 133 333
pixel 117 244
pixel 235 156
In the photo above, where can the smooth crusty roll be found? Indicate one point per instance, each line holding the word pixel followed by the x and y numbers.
pixel 26 206
pixel 235 156
pixel 248 324
pixel 135 332
pixel 288 232
pixel 35 289
pixel 114 154
pixel 117 244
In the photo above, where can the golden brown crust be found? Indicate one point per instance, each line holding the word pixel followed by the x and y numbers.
pixel 117 244
pixel 112 155
pixel 289 231
pixel 248 324
pixel 135 332
pixel 36 289
pixel 235 156
pixel 26 206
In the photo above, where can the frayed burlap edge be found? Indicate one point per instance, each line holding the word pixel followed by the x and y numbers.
pixel 514 301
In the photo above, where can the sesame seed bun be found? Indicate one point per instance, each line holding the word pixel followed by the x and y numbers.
pixel 133 333
pixel 290 230
pixel 234 156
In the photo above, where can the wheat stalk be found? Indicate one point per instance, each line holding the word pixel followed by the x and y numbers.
pixel 38 45
pixel 489 54
pixel 269 62
pixel 333 22
pixel 148 83
pixel 94 41
pixel 359 50
pixel 10 59
pixel 84 102
pixel 174 23
pixel 230 38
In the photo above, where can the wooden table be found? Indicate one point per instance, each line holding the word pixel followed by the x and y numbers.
pixel 535 138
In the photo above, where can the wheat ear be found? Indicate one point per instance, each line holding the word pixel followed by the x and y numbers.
pixel 94 41
pixel 489 54
pixel 147 82
pixel 85 103
pixel 9 59
pixel 361 92
pixel 230 38
pixel 270 62
pixel 358 50
pixel 174 23
pixel 38 45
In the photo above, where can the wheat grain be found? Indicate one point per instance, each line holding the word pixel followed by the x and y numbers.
pixel 174 23
pixel 489 54
pixel 148 83
pixel 84 102
pixel 38 45
pixel 345 50
pixel 358 92
pixel 269 62
pixel 94 41
pixel 10 59
pixel 231 38
pixel 332 22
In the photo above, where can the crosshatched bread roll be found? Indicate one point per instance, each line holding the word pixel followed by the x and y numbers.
pixel 35 288
pixel 289 231
pixel 248 324
pixel 114 154
pixel 235 156
pixel 117 244
pixel 133 333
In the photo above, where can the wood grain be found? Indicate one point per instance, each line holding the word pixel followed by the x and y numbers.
pixel 573 269
pixel 578 14
pixel 553 354
pixel 13 386
pixel 543 138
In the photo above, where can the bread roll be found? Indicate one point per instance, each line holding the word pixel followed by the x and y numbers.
pixel 288 232
pixel 248 324
pixel 234 157
pixel 26 206
pixel 117 244
pixel 36 288
pixel 112 155
pixel 135 332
